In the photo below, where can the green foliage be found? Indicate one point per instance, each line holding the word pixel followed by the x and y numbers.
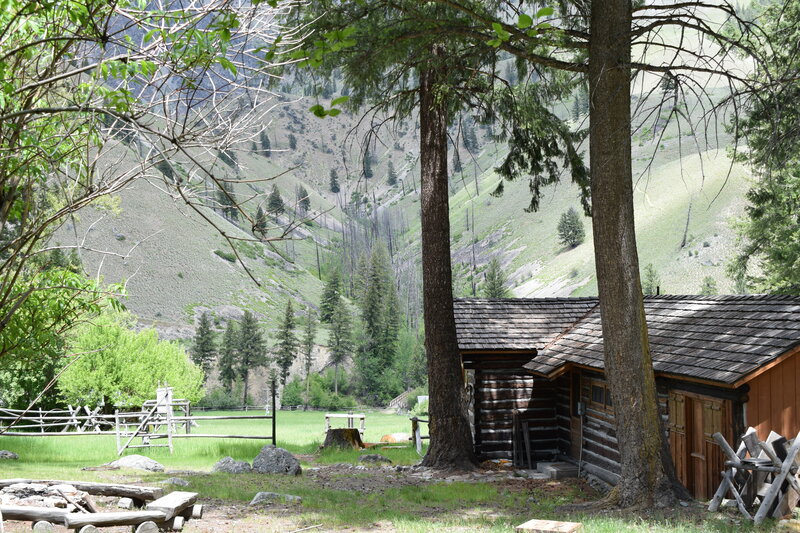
pixel 307 344
pixel 260 225
pixel 303 199
pixel 494 284
pixel 651 281
pixel 286 348
pixel 252 353
pixel 340 340
pixel 204 350
pixel 227 256
pixel 709 286
pixel 391 175
pixel 367 164
pixel 331 297
pixel 570 228
pixel 122 367
pixel 266 149
pixel 334 182
pixel 275 202
pixel 228 356
pixel 321 393
pixel 221 398
pixel 292 141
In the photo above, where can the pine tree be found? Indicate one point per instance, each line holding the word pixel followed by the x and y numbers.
pixel 260 225
pixel 266 149
pixel 229 356
pixel 252 352
pixel 570 228
pixel 456 162
pixel 292 141
pixel 204 350
pixel 367 165
pixel 303 200
pixel 307 345
pixel 226 200
pixel 651 281
pixel 494 286
pixel 391 175
pixel 275 202
pixel 709 286
pixel 286 349
pixel 331 296
pixel 340 341
pixel 334 181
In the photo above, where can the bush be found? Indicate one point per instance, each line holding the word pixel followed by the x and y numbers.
pixel 219 398
pixel 293 393
pixel 421 409
pixel 227 256
pixel 412 397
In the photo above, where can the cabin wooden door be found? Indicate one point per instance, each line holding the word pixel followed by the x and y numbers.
pixel 693 419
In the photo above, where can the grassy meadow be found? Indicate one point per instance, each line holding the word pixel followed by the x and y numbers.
pixel 340 498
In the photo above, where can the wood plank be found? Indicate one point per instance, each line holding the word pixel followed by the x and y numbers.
pixel 98 489
pixel 173 503
pixel 120 518
pixel 33 514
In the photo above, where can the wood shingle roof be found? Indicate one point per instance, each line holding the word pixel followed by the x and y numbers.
pixel 715 338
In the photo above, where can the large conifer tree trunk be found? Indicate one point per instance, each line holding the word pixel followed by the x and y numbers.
pixel 451 439
pixel 648 476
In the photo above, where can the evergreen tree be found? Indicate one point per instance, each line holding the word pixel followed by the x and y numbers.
pixel 331 297
pixel 229 356
pixel 307 345
pixel 334 182
pixel 252 352
pixel 227 202
pixel 303 200
pixel 340 341
pixel 292 141
pixel 469 138
pixel 266 148
pixel 286 349
pixel 650 280
pixel 229 158
pixel 367 164
pixel 260 225
pixel 494 286
pixel 204 350
pixel 275 202
pixel 391 176
pixel 570 228
pixel 709 286
pixel 456 162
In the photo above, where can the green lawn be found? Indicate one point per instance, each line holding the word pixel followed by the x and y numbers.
pixel 342 497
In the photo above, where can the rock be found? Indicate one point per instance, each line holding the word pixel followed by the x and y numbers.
pixel 137 462
pixel 374 458
pixel 229 465
pixel 273 460
pixel 270 497
pixel 396 437
pixel 5 454
pixel 178 481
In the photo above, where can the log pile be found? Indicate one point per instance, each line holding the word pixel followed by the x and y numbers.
pixel 75 509
pixel 762 476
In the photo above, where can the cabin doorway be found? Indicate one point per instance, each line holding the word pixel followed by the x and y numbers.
pixel 694 418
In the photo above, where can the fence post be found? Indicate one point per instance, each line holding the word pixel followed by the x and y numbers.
pixel 273 412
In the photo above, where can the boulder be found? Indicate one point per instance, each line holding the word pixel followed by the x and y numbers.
pixel 229 465
pixel 5 454
pixel 403 438
pixel 137 462
pixel 180 482
pixel 271 497
pixel 374 458
pixel 273 460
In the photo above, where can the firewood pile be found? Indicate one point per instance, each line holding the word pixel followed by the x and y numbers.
pixel 70 504
pixel 762 476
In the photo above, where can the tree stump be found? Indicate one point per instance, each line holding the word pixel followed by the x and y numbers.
pixel 343 438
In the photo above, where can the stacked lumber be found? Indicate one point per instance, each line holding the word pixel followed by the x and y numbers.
pixel 168 512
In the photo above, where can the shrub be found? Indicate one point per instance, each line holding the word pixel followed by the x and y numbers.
pixel 227 256
pixel 219 398
pixel 293 393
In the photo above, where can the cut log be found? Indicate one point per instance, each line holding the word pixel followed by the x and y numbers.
pixel 43 526
pixel 550 526
pixel 90 504
pixel 173 503
pixel 176 524
pixel 126 518
pixel 125 503
pixel 147 527
pixel 195 512
pixel 33 514
pixel 98 489
pixel 343 438
pixel 89 529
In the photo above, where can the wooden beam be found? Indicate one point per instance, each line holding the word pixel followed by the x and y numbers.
pixel 122 518
pixel 98 489
pixel 33 514
pixel 173 503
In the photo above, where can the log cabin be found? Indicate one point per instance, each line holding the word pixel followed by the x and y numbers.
pixel 722 363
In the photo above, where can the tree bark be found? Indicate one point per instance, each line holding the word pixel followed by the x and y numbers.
pixel 451 438
pixel 647 473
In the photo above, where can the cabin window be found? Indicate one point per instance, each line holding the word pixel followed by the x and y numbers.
pixel 599 395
